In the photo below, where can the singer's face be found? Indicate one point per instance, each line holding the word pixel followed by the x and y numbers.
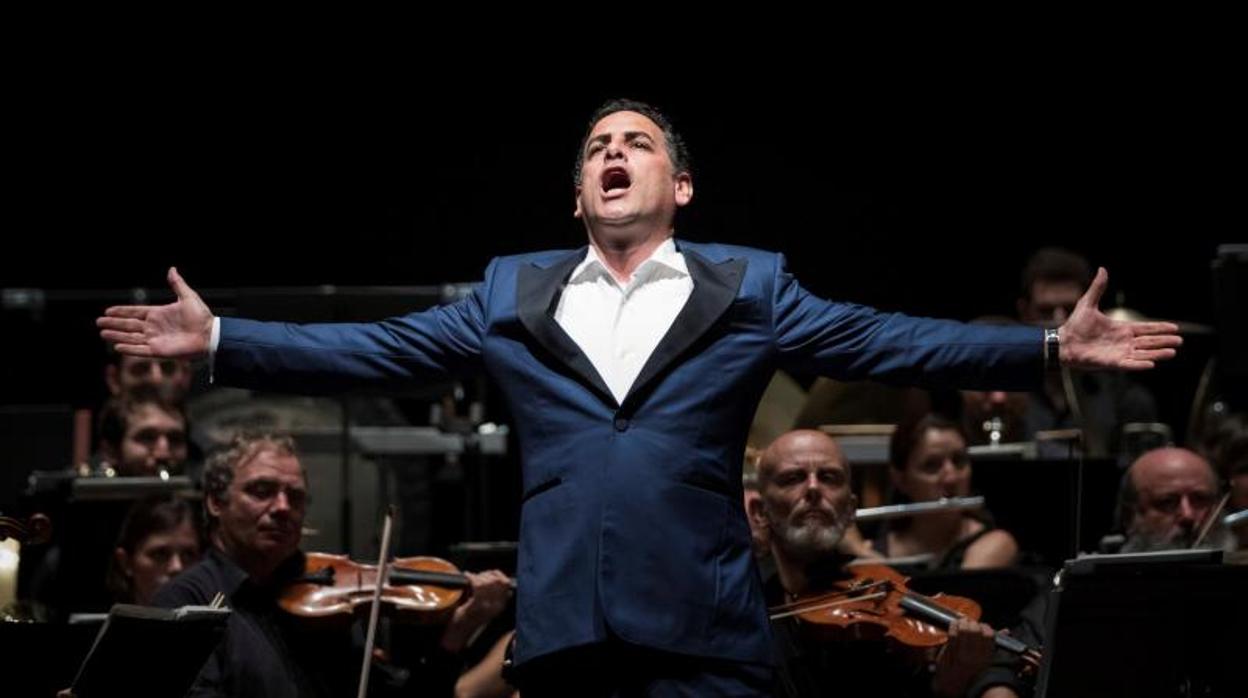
pixel 628 182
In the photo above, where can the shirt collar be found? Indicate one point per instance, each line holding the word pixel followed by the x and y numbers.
pixel 666 260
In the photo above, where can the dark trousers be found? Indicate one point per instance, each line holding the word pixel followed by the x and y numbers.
pixel 616 669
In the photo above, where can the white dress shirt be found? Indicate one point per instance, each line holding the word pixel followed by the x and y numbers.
pixel 618 327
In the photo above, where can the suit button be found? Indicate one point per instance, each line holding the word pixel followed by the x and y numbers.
pixel 621 423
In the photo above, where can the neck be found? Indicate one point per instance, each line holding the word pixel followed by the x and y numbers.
pixel 800 577
pixel 792 572
pixel 259 568
pixel 622 255
pixel 938 531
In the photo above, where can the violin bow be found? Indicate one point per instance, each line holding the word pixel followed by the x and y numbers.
pixel 1209 521
pixel 383 571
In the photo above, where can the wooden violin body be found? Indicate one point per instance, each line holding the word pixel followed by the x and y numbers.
pixel 875 604
pixel 424 590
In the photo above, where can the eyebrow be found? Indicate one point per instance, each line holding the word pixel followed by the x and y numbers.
pixel 798 465
pixel 180 426
pixel 629 137
pixel 275 482
pixel 161 430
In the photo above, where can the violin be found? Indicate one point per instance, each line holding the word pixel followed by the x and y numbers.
pixel 422 590
pixel 875 604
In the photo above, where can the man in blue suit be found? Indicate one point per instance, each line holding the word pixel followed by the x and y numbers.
pixel 633 367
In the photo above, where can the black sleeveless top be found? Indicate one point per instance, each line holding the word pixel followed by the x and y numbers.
pixel 952 559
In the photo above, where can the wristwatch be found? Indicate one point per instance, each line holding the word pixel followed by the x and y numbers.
pixel 1052 349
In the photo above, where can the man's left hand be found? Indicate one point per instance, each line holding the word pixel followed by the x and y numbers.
pixel 490 592
pixel 1091 340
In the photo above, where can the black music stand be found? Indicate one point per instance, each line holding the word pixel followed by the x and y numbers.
pixel 145 651
pixel 1146 624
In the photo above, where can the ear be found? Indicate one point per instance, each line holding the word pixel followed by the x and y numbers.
pixel 123 562
pixel 684 189
pixel 214 507
pixel 756 511
pixel 851 510
pixel 576 213
pixel 111 453
pixel 112 380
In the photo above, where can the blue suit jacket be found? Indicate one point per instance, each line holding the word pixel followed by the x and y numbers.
pixel 632 513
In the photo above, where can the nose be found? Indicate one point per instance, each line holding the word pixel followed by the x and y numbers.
pixel 812 490
pixel 949 473
pixel 614 150
pixel 281 502
pixel 175 564
pixel 812 481
pixel 997 398
pixel 153 374
pixel 161 452
pixel 1188 514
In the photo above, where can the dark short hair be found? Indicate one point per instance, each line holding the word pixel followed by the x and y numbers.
pixel 1055 265
pixel 907 436
pixel 221 464
pixel 677 151
pixel 115 415
pixel 147 517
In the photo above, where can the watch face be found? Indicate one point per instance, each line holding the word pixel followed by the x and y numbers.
pixel 1052 344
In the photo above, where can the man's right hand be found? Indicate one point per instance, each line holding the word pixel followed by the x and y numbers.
pixel 490 592
pixel 182 329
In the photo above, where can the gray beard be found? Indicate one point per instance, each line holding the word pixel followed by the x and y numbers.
pixel 810 541
pixel 1151 543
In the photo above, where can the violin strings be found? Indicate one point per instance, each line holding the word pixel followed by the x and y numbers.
pixel 855 590
pixel 829 604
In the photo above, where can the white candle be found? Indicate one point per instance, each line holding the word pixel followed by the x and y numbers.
pixel 9 555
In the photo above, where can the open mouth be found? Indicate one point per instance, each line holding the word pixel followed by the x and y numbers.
pixel 615 179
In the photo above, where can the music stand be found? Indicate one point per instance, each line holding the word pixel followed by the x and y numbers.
pixel 145 651
pixel 1146 624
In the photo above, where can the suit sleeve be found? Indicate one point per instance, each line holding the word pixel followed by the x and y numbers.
pixel 853 342
pixel 327 358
